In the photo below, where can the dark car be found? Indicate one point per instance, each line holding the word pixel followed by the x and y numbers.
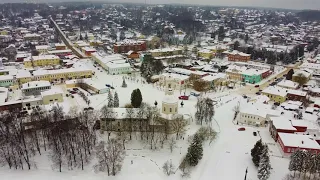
pixel 258 93
pixel 242 129
pixel 256 86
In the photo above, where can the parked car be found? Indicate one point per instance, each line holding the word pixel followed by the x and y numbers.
pixel 108 85
pixel 184 97
pixel 72 96
pixel 244 96
pixel 75 89
pixel 111 87
pixel 258 93
pixel 73 92
pixel 242 129
pixel 256 86
pixel 195 94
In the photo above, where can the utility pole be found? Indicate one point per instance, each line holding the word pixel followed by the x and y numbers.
pixel 245 177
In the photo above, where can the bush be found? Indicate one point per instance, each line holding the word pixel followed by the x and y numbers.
pixel 128 105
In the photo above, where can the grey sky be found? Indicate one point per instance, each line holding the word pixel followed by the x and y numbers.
pixel 288 4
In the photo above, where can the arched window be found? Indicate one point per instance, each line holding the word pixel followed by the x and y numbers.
pixel 170 109
pixel 164 108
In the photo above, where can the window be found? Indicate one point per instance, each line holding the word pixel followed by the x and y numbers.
pixel 118 123
pixel 164 109
pixel 176 109
pixel 170 109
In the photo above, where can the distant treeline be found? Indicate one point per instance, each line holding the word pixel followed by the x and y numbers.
pixel 309 15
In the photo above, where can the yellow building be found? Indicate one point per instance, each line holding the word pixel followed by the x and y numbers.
pixel 95 43
pixel 4 32
pixel 62 74
pixel 276 94
pixel 52 95
pixel 42 60
pixel 301 76
pixel 205 53
pixel 234 74
pixel 165 52
pixel 23 76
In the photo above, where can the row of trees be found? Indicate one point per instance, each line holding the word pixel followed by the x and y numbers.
pixel 205 110
pixel 113 101
pixel 305 162
pixel 195 149
pixel 69 139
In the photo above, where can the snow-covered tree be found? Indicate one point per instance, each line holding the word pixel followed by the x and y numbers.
pixel 264 165
pixel 110 99
pixel 256 152
pixel 124 84
pixel 296 161
pixel 116 100
pixel 168 168
pixel 195 151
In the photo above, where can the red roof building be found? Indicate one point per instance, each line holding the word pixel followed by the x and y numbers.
pixel 129 45
pixel 291 142
pixel 280 125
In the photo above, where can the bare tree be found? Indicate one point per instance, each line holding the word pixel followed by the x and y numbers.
pixel 103 161
pixel 178 126
pixel 123 136
pixel 168 168
pixel 108 116
pixel 115 154
pixel 130 114
pixel 172 144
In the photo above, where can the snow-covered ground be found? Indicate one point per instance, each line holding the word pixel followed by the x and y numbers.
pixel 226 158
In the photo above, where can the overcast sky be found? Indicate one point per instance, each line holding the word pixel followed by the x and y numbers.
pixel 288 4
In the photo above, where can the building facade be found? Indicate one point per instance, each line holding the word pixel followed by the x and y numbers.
pixel 128 45
pixel 62 74
pixel 42 60
pixel 6 81
pixel 238 56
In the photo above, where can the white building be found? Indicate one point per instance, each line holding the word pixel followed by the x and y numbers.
pixel 113 64
pixel 35 87
pixel 256 114
pixel 288 84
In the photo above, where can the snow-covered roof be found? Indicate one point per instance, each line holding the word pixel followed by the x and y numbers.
pixel 165 50
pixel 282 123
pixel 23 74
pixel 298 140
pixel 42 47
pixel 41 57
pixel 214 76
pixel 59 71
pixel 288 84
pixel 235 52
pixel 6 77
pixel 60 51
pixel 276 90
pixel 52 91
pixel 174 76
pixel 121 113
pixel 88 81
pixel 35 84
pixel 299 123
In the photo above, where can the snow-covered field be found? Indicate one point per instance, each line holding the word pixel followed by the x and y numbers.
pixel 224 159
